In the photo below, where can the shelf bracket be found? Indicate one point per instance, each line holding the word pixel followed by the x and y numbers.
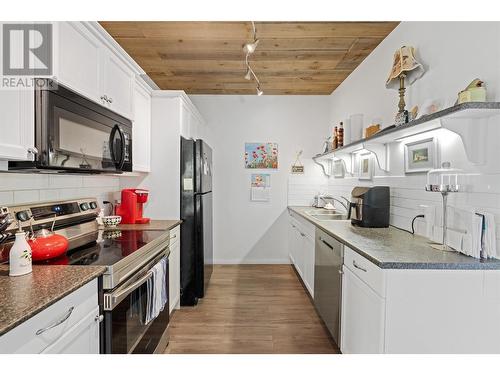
pixel 473 132
pixel 325 164
pixel 380 152
pixel 346 163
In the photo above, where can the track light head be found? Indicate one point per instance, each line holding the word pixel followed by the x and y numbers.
pixel 259 91
pixel 248 76
pixel 250 48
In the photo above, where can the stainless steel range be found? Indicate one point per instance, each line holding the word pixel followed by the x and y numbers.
pixel 128 255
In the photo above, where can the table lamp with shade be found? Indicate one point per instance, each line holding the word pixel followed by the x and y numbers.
pixel 405 70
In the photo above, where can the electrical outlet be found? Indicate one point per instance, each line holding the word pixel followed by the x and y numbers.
pixel 429 213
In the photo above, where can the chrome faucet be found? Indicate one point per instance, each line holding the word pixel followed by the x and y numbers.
pixel 345 205
pixel 325 198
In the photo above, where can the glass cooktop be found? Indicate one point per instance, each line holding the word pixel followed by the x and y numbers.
pixel 106 248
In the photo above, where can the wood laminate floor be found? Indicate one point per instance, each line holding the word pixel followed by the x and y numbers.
pixel 251 309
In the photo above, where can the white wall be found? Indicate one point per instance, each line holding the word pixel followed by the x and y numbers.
pixel 453 55
pixel 245 231
pixel 18 188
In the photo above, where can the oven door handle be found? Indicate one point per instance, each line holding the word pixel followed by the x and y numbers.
pixel 111 300
pixel 118 162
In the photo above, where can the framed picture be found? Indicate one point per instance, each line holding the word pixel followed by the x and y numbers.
pixel 338 168
pixel 261 180
pixel 365 166
pixel 421 156
pixel 261 155
pixel 260 187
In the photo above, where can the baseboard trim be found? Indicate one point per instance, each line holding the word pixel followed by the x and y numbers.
pixel 252 261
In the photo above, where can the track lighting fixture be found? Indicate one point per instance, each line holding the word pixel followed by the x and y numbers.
pixel 250 48
pixel 248 76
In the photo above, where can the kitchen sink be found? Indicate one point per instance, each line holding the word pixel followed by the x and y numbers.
pixel 323 215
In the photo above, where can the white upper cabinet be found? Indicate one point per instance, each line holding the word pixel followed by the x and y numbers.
pixel 117 85
pixel 17 135
pixel 78 59
pixel 141 130
pixel 85 64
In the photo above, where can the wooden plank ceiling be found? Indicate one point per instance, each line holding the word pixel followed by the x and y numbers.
pixel 292 58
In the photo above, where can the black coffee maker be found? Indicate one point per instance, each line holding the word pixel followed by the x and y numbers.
pixel 370 206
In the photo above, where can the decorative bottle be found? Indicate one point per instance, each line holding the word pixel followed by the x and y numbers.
pixel 20 255
pixel 340 134
pixel 335 142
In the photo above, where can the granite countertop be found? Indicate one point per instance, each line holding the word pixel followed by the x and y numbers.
pixel 152 225
pixel 392 248
pixel 27 295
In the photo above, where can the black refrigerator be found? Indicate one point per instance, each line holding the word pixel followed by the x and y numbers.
pixel 196 214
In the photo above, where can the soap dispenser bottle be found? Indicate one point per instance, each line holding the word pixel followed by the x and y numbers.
pixel 20 255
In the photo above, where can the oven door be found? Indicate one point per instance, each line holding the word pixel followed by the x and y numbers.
pixel 74 133
pixel 125 330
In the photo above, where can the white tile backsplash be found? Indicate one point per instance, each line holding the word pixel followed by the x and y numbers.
pixel 407 194
pixel 6 197
pixel 24 188
pixel 26 196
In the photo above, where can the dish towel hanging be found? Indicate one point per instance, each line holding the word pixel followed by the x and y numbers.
pixel 157 295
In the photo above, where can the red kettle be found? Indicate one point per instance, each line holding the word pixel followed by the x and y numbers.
pixel 45 244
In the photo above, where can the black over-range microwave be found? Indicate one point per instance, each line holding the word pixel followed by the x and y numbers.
pixel 75 134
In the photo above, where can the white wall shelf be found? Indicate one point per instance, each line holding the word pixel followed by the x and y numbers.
pixel 469 120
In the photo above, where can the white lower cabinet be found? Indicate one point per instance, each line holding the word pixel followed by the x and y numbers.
pixel 71 325
pixel 418 311
pixel 301 250
pixel 363 313
pixel 174 270
pixel 82 338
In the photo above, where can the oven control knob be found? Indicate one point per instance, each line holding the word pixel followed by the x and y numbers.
pixel 93 205
pixel 84 206
pixel 23 215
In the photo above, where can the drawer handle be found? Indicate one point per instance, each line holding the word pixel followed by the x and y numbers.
pixel 59 322
pixel 326 243
pixel 358 266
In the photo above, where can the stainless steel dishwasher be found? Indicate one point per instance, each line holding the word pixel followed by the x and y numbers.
pixel 329 257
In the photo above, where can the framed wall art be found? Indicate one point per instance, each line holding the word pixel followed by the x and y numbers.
pixel 261 155
pixel 338 170
pixel 365 166
pixel 421 156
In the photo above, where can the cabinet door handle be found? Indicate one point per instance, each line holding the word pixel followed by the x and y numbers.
pixel 358 266
pixel 174 236
pixel 110 100
pixel 302 234
pixel 32 150
pixel 99 318
pixel 326 243
pixel 104 98
pixel 59 322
